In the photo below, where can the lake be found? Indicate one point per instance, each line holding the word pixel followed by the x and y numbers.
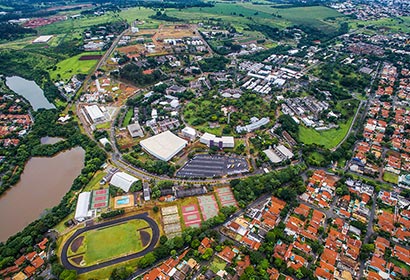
pixel 43 184
pixel 30 91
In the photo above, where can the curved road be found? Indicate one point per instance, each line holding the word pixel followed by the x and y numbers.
pixel 151 246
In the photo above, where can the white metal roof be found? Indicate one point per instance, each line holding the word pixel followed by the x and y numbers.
pixel 189 130
pixel 123 181
pixel 273 157
pixel 164 145
pixel 285 151
pixel 207 136
pixel 43 39
pixel 94 112
pixel 83 202
pixel 228 140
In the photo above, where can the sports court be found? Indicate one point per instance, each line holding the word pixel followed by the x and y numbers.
pixel 99 199
pixel 226 197
pixel 191 215
pixel 123 201
pixel 208 205
pixel 171 219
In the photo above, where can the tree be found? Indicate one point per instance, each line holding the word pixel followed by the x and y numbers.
pixel 195 244
pixel 207 254
pixel 147 260
pixel 120 273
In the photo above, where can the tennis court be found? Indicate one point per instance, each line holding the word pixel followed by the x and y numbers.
pixel 171 220
pixel 191 215
pixel 226 197
pixel 170 210
pixel 208 205
pixel 100 199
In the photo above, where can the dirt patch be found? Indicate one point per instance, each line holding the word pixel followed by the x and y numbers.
pixel 145 238
pixel 77 260
pixel 76 244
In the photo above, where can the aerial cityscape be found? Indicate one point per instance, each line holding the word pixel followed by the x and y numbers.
pixel 198 139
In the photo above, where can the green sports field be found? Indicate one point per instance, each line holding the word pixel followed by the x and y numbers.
pixel 112 242
pixel 329 138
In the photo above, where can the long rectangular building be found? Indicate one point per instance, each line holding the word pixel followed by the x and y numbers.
pixel 213 141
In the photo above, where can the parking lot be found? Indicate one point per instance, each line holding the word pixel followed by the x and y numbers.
pixel 209 166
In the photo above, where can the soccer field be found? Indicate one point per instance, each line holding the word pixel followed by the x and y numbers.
pixel 115 241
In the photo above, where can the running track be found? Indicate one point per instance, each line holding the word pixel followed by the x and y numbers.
pixel 80 270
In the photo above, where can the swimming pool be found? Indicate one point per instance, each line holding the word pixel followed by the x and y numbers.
pixel 123 200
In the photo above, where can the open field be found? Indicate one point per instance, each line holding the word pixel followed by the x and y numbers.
pixel 399 24
pixel 246 13
pixel 103 244
pixel 72 66
pixel 217 265
pixel 390 177
pixel 73 25
pixel 128 117
pixel 329 138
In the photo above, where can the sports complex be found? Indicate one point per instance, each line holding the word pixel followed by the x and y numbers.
pixel 108 243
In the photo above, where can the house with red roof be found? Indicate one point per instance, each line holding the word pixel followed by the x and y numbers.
pixel 227 254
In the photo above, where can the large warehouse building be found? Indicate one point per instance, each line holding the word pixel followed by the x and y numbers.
pixel 94 113
pixel 82 210
pixel 89 203
pixel 164 146
pixel 123 181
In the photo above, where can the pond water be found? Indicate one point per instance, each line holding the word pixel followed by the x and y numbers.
pixel 30 91
pixel 50 140
pixel 43 184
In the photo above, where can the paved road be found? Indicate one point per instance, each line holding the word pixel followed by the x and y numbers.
pixel 151 246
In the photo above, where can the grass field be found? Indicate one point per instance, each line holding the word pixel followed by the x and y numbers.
pixel 138 13
pixel 329 138
pixel 217 264
pixel 399 24
pixel 72 66
pixel 104 273
pixel 75 25
pixel 112 242
pixel 390 177
pixel 240 14
pixel 128 117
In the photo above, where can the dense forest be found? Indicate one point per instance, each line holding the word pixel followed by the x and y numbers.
pixel 135 74
pixel 11 32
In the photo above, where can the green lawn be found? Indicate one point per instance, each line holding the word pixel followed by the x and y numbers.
pixel 71 66
pixel 329 138
pixel 112 242
pixel 390 177
pixel 105 125
pixel 128 117
pixel 139 13
pixel 217 264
